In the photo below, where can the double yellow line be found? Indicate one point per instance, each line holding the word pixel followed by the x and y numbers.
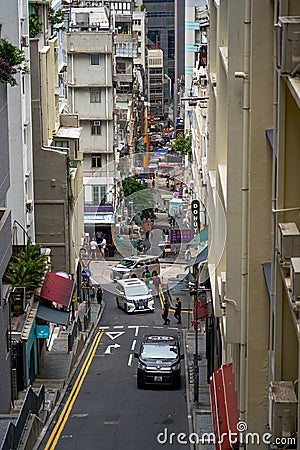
pixel 59 426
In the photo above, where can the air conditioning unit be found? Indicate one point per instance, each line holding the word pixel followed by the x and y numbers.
pixel 295 279
pixel 288 55
pixel 25 40
pixel 283 409
pixel 97 123
pixel 288 240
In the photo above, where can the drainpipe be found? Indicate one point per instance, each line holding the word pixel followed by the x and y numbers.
pixel 245 205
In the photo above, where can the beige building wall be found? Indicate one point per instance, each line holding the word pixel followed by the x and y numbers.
pixel 245 200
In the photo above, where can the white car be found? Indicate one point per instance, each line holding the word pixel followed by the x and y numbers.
pixel 133 296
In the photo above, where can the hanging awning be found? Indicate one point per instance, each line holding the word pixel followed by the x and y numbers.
pixel 53 315
pixel 200 258
pixel 202 236
pixel 57 289
pixel 225 412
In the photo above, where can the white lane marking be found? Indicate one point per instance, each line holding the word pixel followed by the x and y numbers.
pixel 108 350
pixel 158 327
pixel 118 326
pixel 103 328
pixel 133 345
pixel 114 334
pixel 173 328
pixel 130 360
pixel 137 327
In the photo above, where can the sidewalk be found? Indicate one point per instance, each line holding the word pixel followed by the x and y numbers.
pixel 199 413
pixel 57 368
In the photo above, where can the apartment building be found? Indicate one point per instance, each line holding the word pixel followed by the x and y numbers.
pixel 156 85
pixel 249 179
pixel 5 252
pixel 20 196
pixel 89 46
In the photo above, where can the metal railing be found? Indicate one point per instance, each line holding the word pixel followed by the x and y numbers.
pixel 32 405
pixel 76 327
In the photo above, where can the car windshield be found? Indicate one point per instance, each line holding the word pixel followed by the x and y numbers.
pixel 159 351
pixel 128 263
pixel 136 290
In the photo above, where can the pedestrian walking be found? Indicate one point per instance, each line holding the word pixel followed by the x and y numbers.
pixel 165 313
pixel 93 248
pixel 99 295
pixel 146 275
pixel 156 283
pixel 177 313
pixel 103 245
pixel 92 293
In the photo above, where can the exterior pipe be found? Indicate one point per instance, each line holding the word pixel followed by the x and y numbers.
pixel 245 209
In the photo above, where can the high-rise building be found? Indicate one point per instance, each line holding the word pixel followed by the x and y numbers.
pixel 250 189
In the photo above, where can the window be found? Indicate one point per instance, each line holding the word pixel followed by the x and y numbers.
pixel 95 59
pixel 96 127
pixel 95 95
pixel 99 195
pixel 61 144
pixel 96 160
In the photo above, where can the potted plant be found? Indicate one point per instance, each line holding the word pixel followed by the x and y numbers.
pixel 27 269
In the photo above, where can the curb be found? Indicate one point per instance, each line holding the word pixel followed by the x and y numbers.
pixel 55 409
pixel 190 415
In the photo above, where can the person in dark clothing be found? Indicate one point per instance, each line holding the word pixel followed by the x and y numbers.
pixel 99 295
pixel 166 313
pixel 177 313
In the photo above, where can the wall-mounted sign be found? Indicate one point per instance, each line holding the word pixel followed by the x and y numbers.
pixel 195 205
pixel 42 331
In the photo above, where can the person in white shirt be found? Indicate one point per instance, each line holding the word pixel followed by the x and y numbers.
pixel 93 248
pixel 103 245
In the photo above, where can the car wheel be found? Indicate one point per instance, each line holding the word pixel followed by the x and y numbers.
pixel 118 304
pixel 140 384
pixel 177 383
pixel 133 275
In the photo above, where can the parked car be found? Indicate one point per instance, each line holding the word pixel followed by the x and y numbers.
pixel 133 267
pixel 133 296
pixel 159 361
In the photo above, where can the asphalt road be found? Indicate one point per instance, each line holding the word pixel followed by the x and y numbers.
pixel 103 409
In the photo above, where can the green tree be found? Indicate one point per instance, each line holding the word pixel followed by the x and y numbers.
pixel 183 145
pixel 139 197
pixel 28 269
pixel 131 185
pixel 12 61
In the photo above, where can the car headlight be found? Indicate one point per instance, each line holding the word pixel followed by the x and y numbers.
pixel 141 366
pixel 176 367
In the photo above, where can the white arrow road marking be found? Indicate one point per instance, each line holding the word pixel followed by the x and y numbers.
pixel 130 360
pixel 114 334
pixel 108 352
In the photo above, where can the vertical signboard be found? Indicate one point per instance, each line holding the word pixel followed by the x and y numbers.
pixel 195 205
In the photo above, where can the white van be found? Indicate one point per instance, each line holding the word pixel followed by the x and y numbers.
pixel 134 266
pixel 133 296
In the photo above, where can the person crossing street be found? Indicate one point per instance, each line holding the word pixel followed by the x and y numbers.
pixel 177 313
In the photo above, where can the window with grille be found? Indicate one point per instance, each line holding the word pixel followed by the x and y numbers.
pixel 96 160
pixel 99 195
pixel 95 59
pixel 96 127
pixel 95 95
